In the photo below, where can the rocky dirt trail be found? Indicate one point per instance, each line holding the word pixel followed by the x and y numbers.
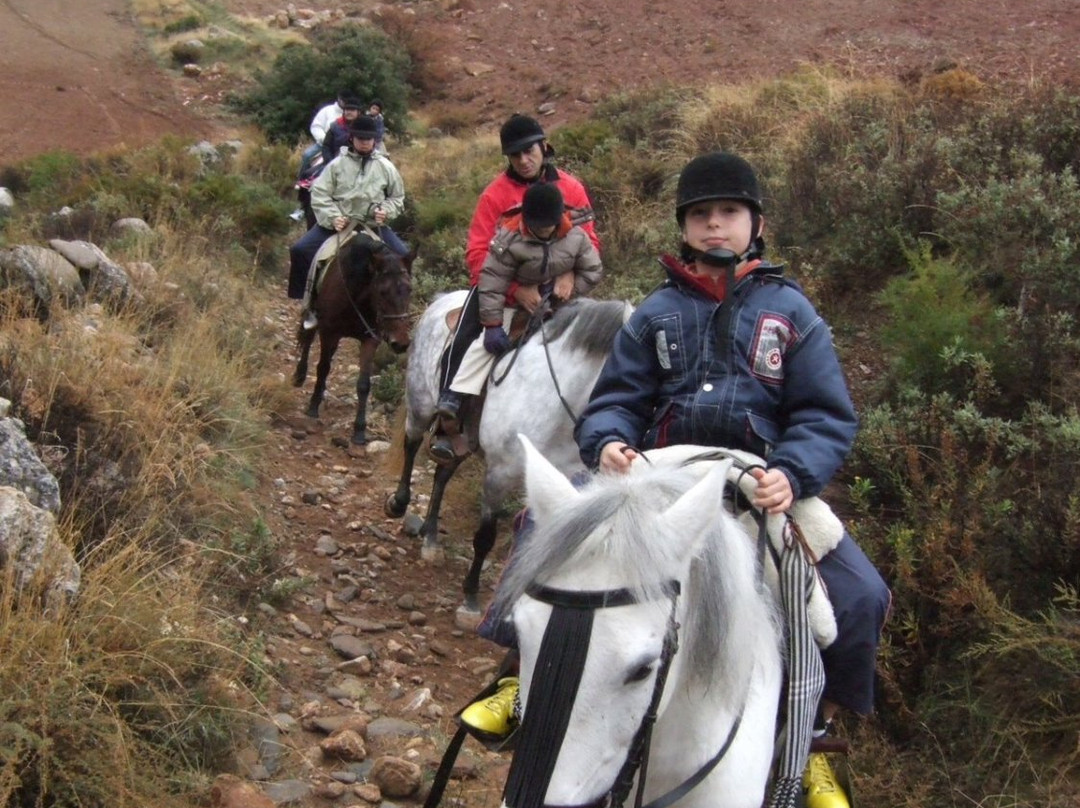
pixel 368 640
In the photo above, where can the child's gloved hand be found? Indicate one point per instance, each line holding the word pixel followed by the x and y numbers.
pixel 495 340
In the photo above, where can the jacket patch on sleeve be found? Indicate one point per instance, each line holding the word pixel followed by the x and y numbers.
pixel 773 335
pixel 662 354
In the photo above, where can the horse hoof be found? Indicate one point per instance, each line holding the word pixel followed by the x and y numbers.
pixel 467 619
pixel 394 508
pixel 433 553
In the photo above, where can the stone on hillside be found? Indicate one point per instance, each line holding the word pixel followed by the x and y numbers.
pixel 30 544
pixel 189 50
pixel 478 68
pixel 368 792
pixel 104 279
pixel 411 523
pixel 344 745
pixel 142 274
pixel 206 152
pixel 230 791
pixel 21 468
pixel 395 776
pixel 130 226
pixel 45 274
pixel 286 792
pixel 191 70
pixel 350 647
pixel 7 202
pixel 388 727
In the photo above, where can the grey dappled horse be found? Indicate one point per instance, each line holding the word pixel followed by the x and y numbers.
pixel 565 355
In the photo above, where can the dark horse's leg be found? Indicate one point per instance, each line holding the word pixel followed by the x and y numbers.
pixel 363 388
pixel 327 347
pixel 397 502
pixel 483 541
pixel 431 549
pixel 304 338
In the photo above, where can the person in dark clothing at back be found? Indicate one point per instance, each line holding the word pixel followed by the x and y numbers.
pixel 337 135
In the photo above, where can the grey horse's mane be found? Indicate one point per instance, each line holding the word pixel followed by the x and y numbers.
pixel 592 324
pixel 618 517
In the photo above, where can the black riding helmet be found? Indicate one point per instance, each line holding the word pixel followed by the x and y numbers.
pixel 363 127
pixel 542 206
pixel 519 133
pixel 720 175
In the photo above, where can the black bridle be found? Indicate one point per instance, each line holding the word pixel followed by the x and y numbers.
pixel 541 736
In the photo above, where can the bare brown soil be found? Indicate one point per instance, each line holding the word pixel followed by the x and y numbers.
pixel 78 76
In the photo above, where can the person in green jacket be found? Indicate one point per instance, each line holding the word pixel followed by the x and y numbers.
pixel 360 185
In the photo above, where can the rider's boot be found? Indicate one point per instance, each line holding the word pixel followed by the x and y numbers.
pixel 449 405
pixel 441 447
pixel 494 718
pixel 821 788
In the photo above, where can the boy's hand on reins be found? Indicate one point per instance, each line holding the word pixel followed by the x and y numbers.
pixel 564 286
pixel 773 493
pixel 528 297
pixel 616 457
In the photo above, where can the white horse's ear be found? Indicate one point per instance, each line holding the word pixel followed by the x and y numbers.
pixel 547 488
pixel 699 508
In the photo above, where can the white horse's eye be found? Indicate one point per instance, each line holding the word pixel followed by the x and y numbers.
pixel 640 674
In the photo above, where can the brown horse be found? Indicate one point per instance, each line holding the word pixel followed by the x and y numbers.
pixel 365 294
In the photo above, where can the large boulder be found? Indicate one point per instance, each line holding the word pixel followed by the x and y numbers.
pixel 45 274
pixel 31 549
pixel 105 280
pixel 21 468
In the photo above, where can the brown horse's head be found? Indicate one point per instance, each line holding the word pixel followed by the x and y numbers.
pixel 391 293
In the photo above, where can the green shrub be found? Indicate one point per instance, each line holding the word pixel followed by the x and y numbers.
pixel 189 22
pixel 932 311
pixel 364 60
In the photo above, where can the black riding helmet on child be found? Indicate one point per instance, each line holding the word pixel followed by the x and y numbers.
pixel 720 175
pixel 542 206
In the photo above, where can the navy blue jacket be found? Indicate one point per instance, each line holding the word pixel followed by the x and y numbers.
pixel 772 385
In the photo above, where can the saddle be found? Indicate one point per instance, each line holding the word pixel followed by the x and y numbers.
pixel 326 254
pixel 517 326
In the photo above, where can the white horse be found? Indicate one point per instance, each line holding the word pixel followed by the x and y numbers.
pixel 635 595
pixel 541 390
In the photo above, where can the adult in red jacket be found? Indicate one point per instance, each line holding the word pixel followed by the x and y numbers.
pixel 530 160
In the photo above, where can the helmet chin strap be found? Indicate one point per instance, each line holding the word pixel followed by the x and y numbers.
pixel 722 258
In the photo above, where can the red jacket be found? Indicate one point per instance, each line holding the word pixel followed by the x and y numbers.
pixel 505 193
